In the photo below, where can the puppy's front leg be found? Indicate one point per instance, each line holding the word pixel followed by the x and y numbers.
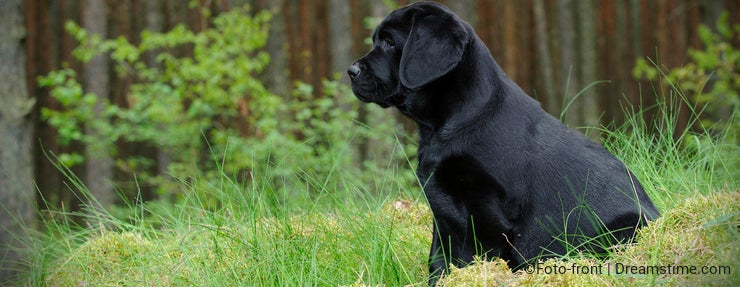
pixel 437 258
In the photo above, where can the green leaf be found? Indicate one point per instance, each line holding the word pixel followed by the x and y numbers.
pixel 723 25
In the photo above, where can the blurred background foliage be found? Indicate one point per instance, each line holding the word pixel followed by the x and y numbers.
pixel 137 97
pixel 710 79
pixel 208 114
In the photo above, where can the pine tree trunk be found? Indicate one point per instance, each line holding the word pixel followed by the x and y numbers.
pixel 569 78
pixel 16 183
pixel 588 106
pixel 548 95
pixel 99 165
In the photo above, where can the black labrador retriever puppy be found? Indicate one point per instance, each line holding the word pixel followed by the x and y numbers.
pixel 503 178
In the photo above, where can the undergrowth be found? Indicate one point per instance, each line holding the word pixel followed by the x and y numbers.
pixel 231 234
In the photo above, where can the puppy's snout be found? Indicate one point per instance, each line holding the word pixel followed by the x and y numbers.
pixel 354 71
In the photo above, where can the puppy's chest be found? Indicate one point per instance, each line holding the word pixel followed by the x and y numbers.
pixel 457 174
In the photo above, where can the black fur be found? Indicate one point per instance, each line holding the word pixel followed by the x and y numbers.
pixel 503 178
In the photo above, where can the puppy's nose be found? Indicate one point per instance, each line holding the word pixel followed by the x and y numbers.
pixel 353 71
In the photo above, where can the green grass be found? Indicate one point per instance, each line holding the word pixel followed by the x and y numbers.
pixel 334 230
pixel 673 164
pixel 233 234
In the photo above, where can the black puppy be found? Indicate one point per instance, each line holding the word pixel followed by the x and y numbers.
pixel 503 178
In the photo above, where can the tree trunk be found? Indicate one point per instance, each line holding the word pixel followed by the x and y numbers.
pixel 587 104
pixel 275 76
pixel 339 37
pixel 16 182
pixel 360 10
pixel 569 79
pixel 322 53
pixel 47 47
pixel 545 61
pixel 155 22
pixel 99 164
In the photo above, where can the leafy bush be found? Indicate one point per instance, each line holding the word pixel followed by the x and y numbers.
pixel 711 78
pixel 207 111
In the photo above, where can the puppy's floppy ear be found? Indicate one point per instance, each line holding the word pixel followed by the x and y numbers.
pixel 433 48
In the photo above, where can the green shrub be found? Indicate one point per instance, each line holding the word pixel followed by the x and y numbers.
pixel 177 104
pixel 208 111
pixel 711 79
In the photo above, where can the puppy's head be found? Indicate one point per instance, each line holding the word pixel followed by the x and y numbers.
pixel 412 47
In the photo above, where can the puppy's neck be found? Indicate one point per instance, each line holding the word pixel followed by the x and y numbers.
pixel 463 98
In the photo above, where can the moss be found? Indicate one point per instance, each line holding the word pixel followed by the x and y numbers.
pixel 408 212
pixel 108 259
pixel 701 232
pixel 480 273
